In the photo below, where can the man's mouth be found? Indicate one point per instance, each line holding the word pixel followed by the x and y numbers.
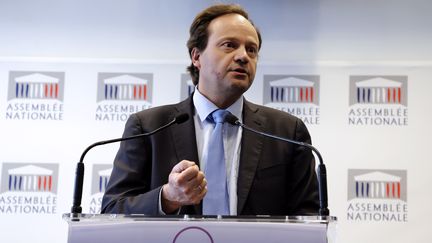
pixel 240 70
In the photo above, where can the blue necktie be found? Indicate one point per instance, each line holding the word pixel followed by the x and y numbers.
pixel 216 201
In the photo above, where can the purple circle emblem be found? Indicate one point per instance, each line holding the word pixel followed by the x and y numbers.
pixel 189 233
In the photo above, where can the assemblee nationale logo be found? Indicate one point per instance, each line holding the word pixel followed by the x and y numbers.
pixel 121 94
pixel 377 195
pixel 295 94
pixel 28 188
pixel 35 95
pixel 100 177
pixel 378 100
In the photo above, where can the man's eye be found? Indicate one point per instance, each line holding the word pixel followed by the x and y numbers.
pixel 228 44
pixel 252 50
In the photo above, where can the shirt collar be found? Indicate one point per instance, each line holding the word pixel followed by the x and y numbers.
pixel 204 106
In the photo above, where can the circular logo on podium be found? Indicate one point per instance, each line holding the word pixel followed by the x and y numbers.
pixel 193 234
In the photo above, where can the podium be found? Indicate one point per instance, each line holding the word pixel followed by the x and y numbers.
pixel 113 228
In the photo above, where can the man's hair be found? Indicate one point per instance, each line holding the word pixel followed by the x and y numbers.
pixel 199 30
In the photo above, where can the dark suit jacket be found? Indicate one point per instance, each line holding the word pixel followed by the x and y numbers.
pixel 275 178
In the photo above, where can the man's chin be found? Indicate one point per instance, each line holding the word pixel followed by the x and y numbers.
pixel 241 85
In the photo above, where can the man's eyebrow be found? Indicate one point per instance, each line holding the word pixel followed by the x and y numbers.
pixel 253 43
pixel 231 38
pixel 228 38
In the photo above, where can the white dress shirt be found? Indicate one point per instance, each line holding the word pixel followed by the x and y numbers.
pixel 231 137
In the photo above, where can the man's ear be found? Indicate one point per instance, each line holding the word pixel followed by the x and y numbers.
pixel 195 56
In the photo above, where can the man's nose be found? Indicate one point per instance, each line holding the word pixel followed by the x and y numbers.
pixel 241 55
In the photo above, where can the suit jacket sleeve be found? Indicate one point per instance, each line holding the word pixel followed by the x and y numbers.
pixel 142 166
pixel 306 188
pixel 129 188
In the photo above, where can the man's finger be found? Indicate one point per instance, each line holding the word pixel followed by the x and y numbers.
pixel 182 165
pixel 188 174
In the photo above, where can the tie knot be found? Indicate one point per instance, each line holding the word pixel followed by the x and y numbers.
pixel 218 116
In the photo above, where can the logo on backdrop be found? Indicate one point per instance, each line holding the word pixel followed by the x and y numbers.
pixel 100 177
pixel 187 87
pixel 121 94
pixel 295 94
pixel 377 195
pixel 28 188
pixel 378 100
pixel 35 95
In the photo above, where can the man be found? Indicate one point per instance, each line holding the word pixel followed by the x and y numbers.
pixel 166 173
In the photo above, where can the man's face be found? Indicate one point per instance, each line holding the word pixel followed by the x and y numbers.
pixel 228 64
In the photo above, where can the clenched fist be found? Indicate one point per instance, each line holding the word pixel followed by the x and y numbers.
pixel 186 186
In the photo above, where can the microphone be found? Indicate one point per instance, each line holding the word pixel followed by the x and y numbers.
pixel 79 176
pixel 321 171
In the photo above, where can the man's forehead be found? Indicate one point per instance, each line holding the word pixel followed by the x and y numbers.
pixel 232 24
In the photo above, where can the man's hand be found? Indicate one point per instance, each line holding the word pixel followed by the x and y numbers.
pixel 186 186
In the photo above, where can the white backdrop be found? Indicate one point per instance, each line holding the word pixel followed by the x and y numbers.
pixel 325 45
pixel 386 152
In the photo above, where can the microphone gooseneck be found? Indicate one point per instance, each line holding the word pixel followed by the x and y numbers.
pixel 321 170
pixel 79 175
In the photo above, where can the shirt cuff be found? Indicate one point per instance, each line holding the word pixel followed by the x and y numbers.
pixel 161 212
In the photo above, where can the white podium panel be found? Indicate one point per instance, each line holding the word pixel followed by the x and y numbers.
pixel 134 229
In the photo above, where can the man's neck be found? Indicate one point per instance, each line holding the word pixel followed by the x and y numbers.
pixel 222 101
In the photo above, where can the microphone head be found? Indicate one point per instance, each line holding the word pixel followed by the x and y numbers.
pixel 181 118
pixel 231 119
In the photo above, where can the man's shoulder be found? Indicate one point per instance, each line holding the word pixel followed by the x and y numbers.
pixel 274 121
pixel 164 112
pixel 163 109
pixel 269 112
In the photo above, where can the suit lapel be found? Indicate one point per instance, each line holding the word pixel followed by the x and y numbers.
pixel 184 140
pixel 184 134
pixel 251 148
